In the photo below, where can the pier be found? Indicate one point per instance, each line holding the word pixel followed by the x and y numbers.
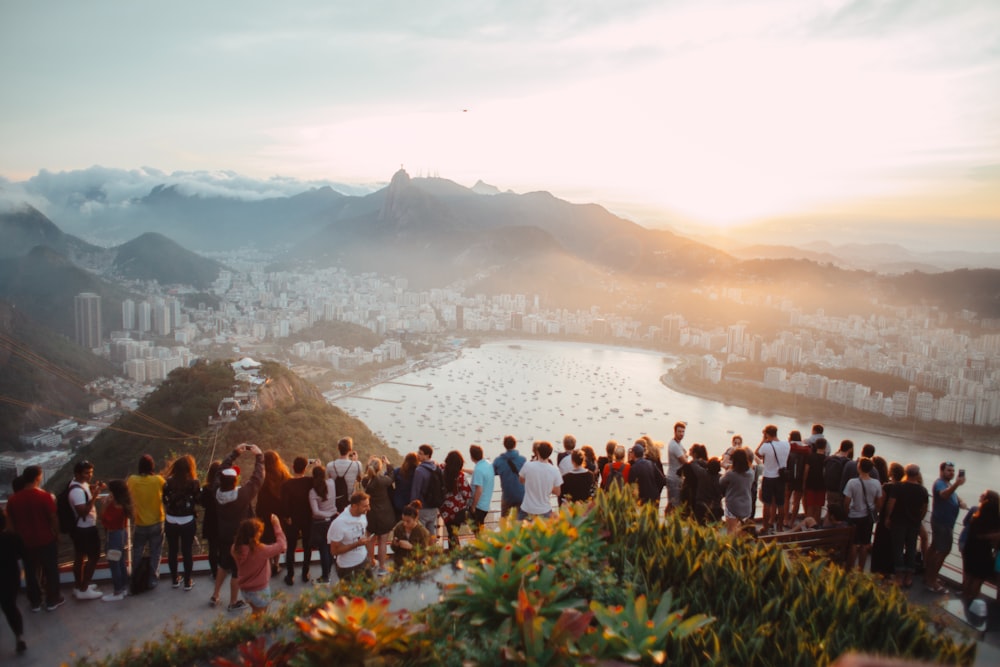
pixel 410 384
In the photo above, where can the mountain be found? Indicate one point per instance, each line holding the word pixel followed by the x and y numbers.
pixel 435 231
pixel 293 418
pixel 153 256
pixel 43 370
pixel 25 227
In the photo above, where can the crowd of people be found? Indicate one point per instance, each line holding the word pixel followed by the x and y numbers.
pixel 352 515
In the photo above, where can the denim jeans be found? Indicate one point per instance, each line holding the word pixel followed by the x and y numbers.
pixel 153 536
pixel 118 541
pixel 317 539
pixel 181 535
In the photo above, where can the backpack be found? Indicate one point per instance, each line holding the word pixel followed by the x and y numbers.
pixel 434 491
pixel 833 467
pixel 341 495
pixel 178 502
pixel 616 476
pixel 140 576
pixel 65 510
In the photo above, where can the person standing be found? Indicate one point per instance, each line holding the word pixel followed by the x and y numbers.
pixel 31 513
pixel 457 495
pixel 676 459
pixel 508 467
pixel 322 509
pixel 578 483
pixel 295 503
pixel 180 497
pixel 12 553
pixel 978 560
pixel 348 539
pixel 864 499
pixel 233 504
pixel 85 536
pixel 646 474
pixel 737 488
pixel 146 489
pixel 774 453
pixel 906 508
pixel 377 483
pixel 945 506
pixel 563 460
pixel 347 467
pixel 541 480
pixel 482 485
pixel 423 478
pixel 116 515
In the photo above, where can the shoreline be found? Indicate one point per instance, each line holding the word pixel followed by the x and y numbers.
pixel 670 381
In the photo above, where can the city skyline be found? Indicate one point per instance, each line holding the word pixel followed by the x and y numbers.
pixel 699 116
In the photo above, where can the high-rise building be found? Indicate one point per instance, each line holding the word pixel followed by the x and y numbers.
pixel 128 314
pixel 87 319
pixel 145 316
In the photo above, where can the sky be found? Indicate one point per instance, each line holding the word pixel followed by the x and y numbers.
pixel 715 113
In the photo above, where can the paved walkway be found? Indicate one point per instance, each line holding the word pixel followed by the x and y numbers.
pixel 100 629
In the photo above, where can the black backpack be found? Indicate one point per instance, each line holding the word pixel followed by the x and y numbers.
pixel 833 468
pixel 434 492
pixel 616 476
pixel 342 496
pixel 65 510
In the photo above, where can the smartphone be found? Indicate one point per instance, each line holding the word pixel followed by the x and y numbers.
pixel 961 472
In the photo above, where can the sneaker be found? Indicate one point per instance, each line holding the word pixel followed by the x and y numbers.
pixel 188 585
pixel 236 606
pixel 381 572
pixel 92 587
pixel 213 601
pixel 153 583
pixel 113 597
pixel 290 581
pixel 306 578
pixel 323 580
pixel 52 606
pixel 37 608
pixel 87 594
pixel 177 583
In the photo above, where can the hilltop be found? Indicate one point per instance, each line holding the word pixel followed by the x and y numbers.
pixel 292 417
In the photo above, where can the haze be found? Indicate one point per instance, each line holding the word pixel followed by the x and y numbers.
pixel 844 121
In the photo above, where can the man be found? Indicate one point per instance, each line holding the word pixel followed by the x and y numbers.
pixel 851 467
pixel 817 433
pixel 944 512
pixel 541 480
pixel 864 499
pixel 146 490
pixel 32 515
pixel 774 453
pixel 423 479
pixel 508 466
pixel 233 504
pixel 905 512
pixel 295 500
pixel 347 467
pixel 348 539
pixel 647 475
pixel 482 485
pixel 564 460
pixel 676 459
pixel 833 473
pixel 86 539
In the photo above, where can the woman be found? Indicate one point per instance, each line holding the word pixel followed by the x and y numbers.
pixel 409 537
pixel 457 495
pixel 253 560
pixel 603 461
pixel 978 561
pixel 209 522
pixel 883 559
pixel 11 552
pixel 269 499
pixel 323 503
pixel 115 517
pixel 578 483
pixel 378 485
pixel 180 496
pixel 402 483
pixel 737 486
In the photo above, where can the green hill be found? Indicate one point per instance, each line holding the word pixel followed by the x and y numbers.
pixel 293 418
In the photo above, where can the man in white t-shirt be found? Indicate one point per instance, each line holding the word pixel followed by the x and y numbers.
pixel 348 538
pixel 774 452
pixel 541 480
pixel 676 459
pixel 86 539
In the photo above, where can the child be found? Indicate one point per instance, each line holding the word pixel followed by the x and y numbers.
pixel 409 534
pixel 253 561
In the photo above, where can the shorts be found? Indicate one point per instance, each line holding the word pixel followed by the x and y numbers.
pixel 814 498
pixel 257 599
pixel 941 537
pixel 772 490
pixel 87 541
pixel 227 563
pixel 862 529
pixel 673 490
pixel 730 515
